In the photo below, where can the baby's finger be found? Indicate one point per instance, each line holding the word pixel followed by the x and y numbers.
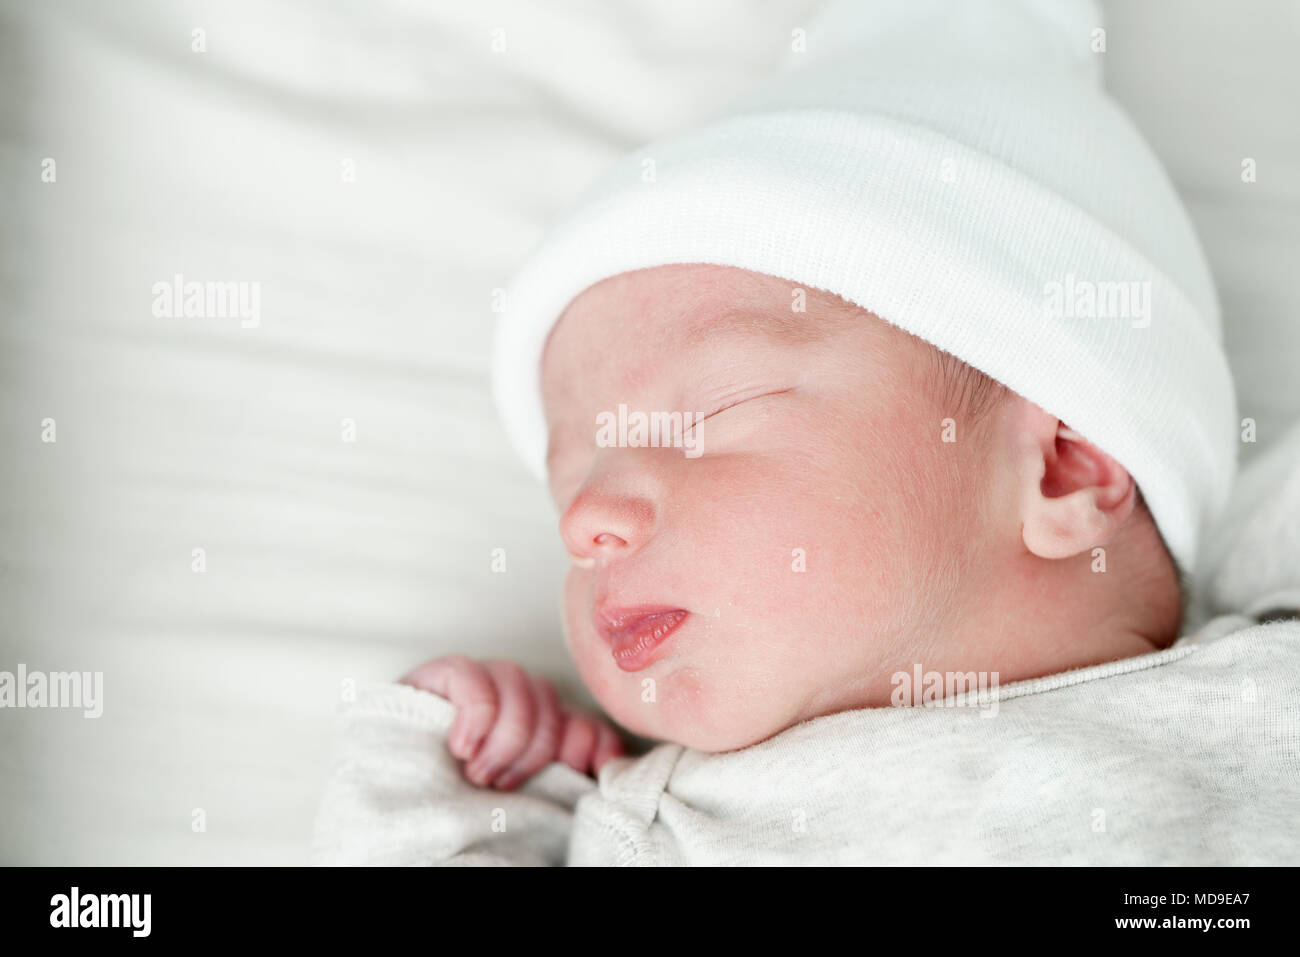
pixel 516 717
pixel 578 743
pixel 466 684
pixel 546 738
pixel 609 745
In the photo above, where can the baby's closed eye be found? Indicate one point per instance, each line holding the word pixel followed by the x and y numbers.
pixel 725 405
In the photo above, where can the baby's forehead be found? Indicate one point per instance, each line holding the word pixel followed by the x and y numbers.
pixel 683 306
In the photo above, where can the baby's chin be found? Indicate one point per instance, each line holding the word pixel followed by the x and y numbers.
pixel 676 702
pixel 691 694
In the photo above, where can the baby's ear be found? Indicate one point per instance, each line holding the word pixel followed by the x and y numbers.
pixel 1074 496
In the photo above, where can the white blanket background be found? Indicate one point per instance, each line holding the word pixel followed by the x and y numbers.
pixel 329 561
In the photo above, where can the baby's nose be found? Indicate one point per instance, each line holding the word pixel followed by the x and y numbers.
pixel 601 525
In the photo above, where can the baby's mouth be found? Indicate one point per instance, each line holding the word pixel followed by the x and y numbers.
pixel 635 635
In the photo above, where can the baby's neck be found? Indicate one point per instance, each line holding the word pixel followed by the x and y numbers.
pixel 1100 606
pixel 1026 617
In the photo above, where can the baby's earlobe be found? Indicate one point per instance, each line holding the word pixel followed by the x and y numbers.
pixel 1076 497
pixel 1067 525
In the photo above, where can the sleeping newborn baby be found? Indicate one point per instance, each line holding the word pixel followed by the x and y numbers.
pixel 823 539
pixel 941 413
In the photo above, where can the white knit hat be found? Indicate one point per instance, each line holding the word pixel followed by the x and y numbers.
pixel 956 169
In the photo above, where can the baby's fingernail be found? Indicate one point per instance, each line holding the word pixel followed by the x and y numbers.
pixel 480 773
pixel 466 743
pixel 473 745
pixel 507 780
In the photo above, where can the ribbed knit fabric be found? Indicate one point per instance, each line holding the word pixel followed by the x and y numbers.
pixel 947 167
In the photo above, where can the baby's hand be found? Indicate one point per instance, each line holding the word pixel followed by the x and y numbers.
pixel 509 724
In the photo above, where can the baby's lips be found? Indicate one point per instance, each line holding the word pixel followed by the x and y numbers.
pixel 619 623
pixel 636 635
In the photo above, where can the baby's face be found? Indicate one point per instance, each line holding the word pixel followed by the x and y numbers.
pixel 801 554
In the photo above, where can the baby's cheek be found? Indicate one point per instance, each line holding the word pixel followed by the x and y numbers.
pixel 791 547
